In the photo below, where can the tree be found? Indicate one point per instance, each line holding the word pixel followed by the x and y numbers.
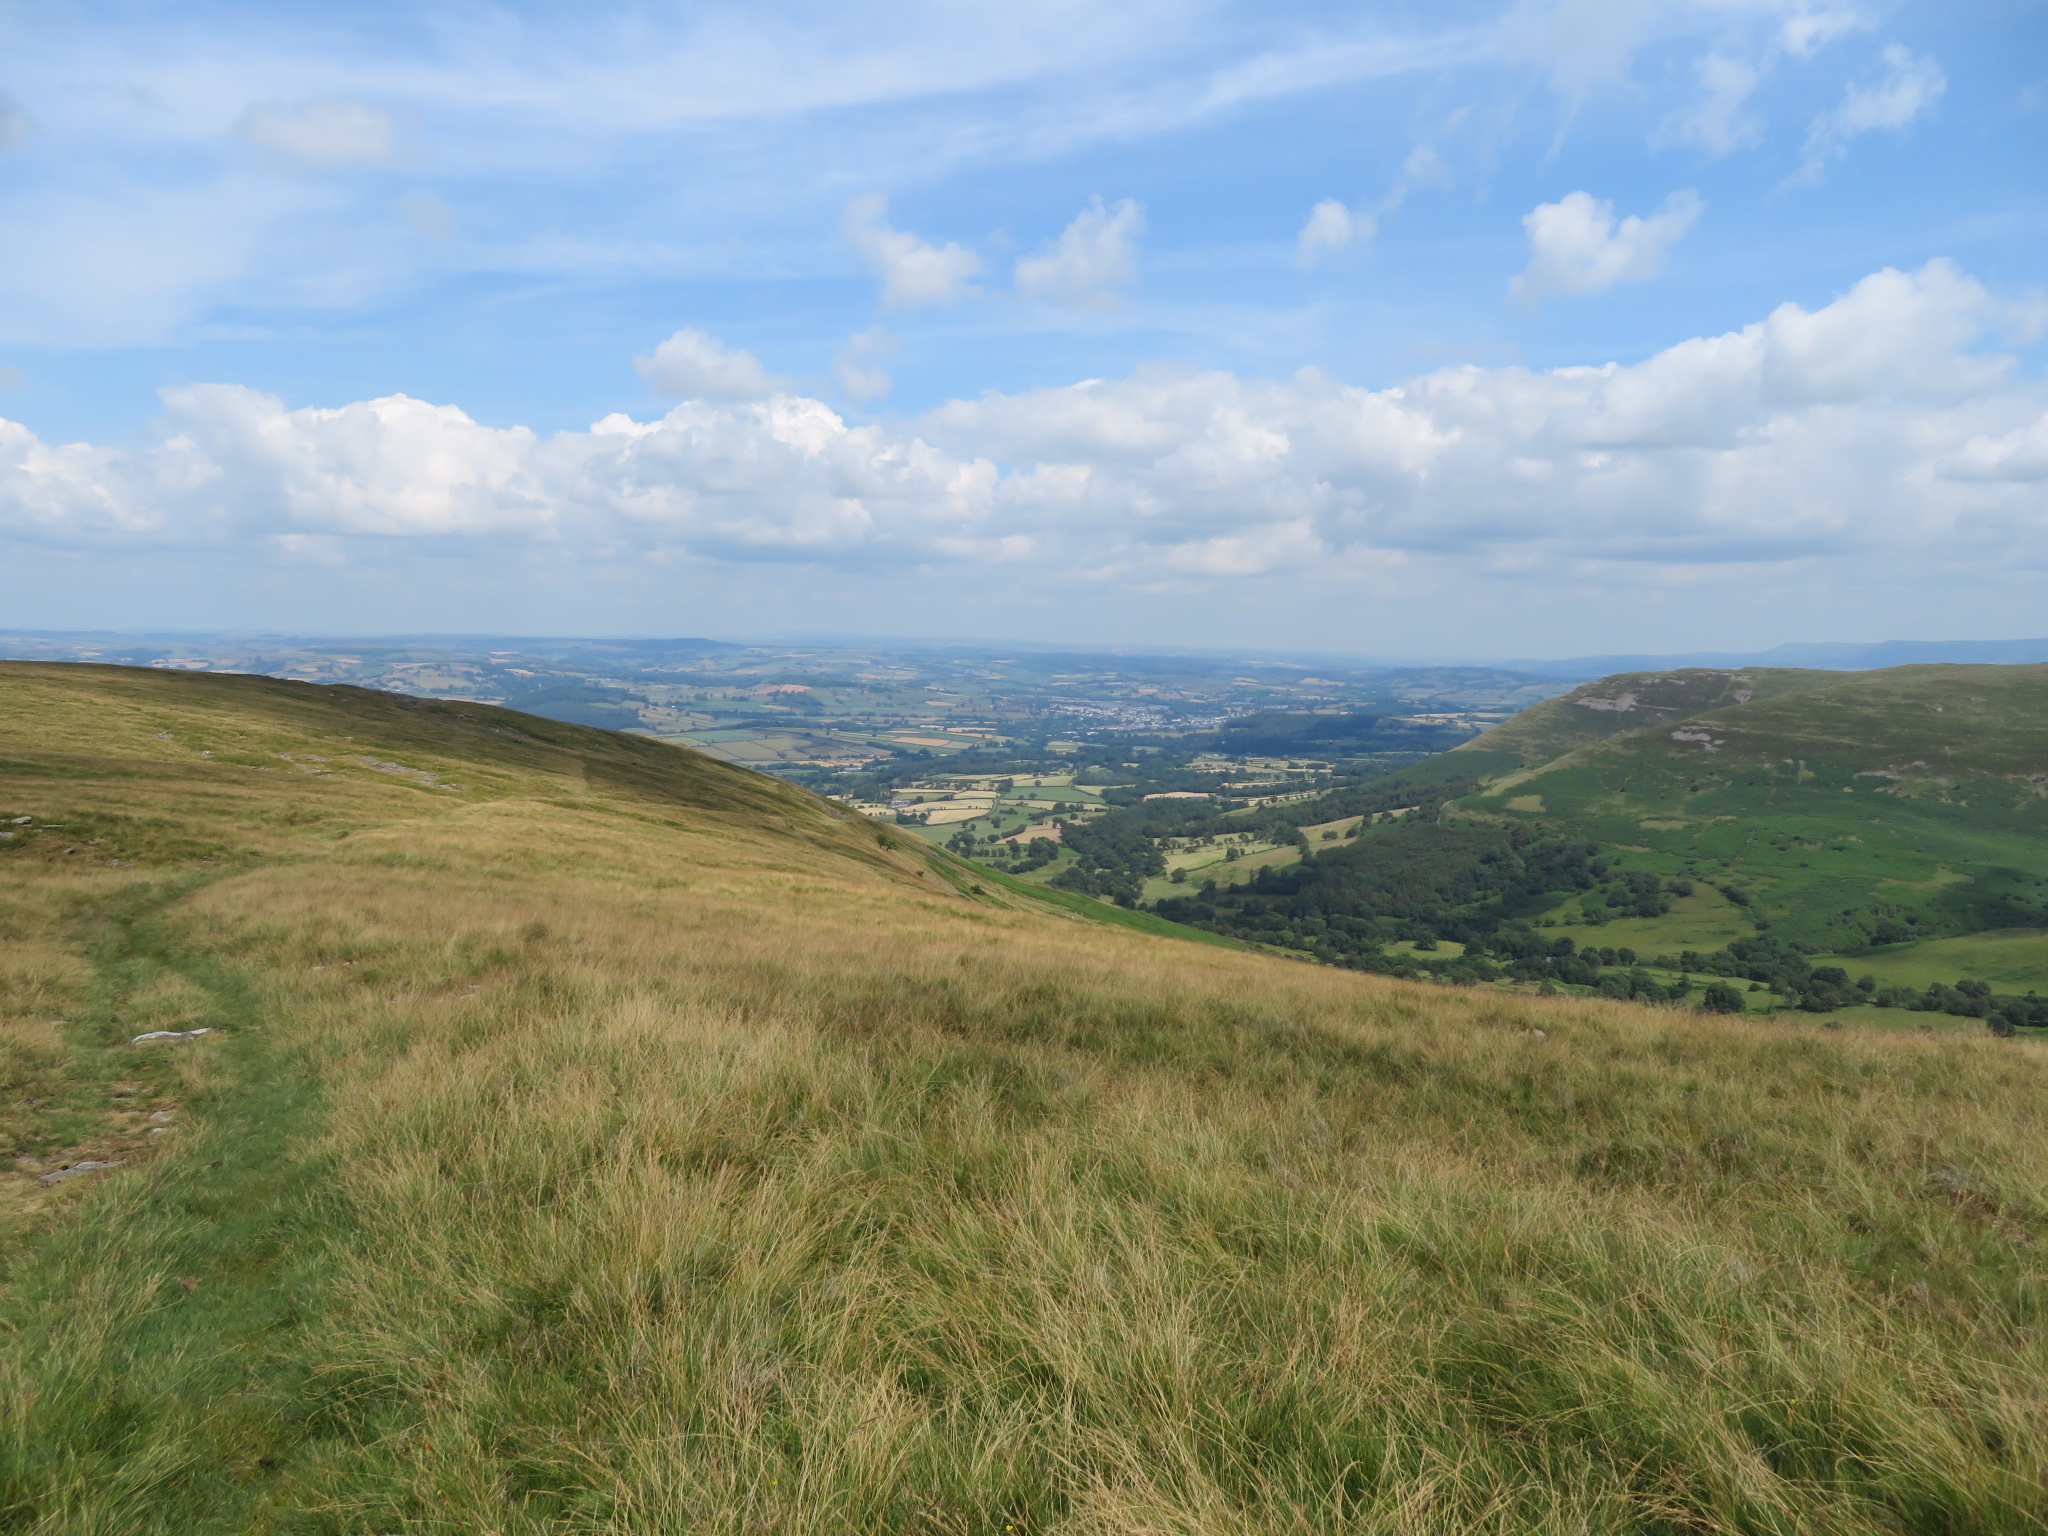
pixel 1722 998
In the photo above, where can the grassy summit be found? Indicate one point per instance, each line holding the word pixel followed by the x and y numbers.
pixel 593 1138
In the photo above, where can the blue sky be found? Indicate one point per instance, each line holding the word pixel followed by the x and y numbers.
pixel 1393 329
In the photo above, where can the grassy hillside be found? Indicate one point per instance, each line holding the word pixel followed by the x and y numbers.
pixel 596 1139
pixel 1630 701
pixel 1855 808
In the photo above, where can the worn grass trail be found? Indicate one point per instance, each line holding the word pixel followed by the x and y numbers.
pixel 594 1163
pixel 156 1365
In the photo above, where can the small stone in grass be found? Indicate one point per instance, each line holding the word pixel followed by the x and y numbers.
pixel 170 1034
pixel 90 1165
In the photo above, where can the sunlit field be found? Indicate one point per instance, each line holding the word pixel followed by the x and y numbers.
pixel 621 1142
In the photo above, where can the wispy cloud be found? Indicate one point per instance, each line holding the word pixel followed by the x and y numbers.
pixel 1910 85
pixel 1092 262
pixel 858 366
pixel 1331 227
pixel 332 130
pixel 913 273
pixel 693 366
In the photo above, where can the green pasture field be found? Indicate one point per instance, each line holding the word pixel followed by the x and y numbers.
pixel 1704 921
pixel 2011 959
pixel 1054 795
pixel 1213 863
pixel 1342 826
pixel 1089 908
pixel 1446 949
pixel 1894 1019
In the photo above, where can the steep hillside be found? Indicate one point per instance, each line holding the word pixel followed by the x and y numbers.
pixel 1855 808
pixel 1630 701
pixel 589 1138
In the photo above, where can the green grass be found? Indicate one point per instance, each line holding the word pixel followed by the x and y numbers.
pixel 1444 949
pixel 1704 921
pixel 628 1144
pixel 1811 800
pixel 1888 1019
pixel 156 1359
pixel 2013 960
pixel 1634 701
pixel 1096 911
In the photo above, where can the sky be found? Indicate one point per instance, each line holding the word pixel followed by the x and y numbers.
pixel 1393 329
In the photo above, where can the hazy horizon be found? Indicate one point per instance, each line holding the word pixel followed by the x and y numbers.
pixel 1819 654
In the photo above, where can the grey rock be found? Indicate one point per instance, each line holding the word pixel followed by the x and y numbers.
pixel 90 1165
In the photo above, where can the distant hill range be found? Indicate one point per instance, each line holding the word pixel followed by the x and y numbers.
pixel 1828 657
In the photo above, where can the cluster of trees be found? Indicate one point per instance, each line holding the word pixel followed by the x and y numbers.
pixel 1288 733
pixel 1115 847
pixel 1106 884
pixel 1015 858
pixel 1474 885
pixel 1784 968
pixel 1117 851
pixel 1976 1000
pixel 1636 893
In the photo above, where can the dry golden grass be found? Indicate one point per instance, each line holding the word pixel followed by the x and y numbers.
pixel 684 1161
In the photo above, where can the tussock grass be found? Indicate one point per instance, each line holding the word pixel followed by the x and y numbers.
pixel 594 1162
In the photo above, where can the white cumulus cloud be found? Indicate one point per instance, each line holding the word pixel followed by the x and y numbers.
pixel 331 130
pixel 1909 87
pixel 693 366
pixel 1576 246
pixel 1331 226
pixel 913 273
pixel 1093 259
pixel 1874 427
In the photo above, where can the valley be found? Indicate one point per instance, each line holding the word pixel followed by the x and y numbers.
pixel 1865 823
pixel 827 712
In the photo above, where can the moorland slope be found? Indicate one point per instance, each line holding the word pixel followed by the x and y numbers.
pixel 593 1138
pixel 1855 809
pixel 1622 704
